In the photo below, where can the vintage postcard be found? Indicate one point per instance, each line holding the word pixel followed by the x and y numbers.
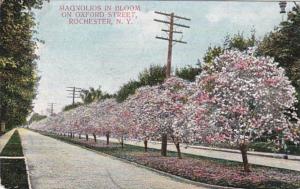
pixel 104 94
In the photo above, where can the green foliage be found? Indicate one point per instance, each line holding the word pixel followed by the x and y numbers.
pixel 72 106
pixel 283 42
pixel 92 95
pixel 127 89
pixel 264 147
pixel 13 146
pixel 152 76
pixel 212 53
pixel 17 60
pixel 283 45
pixel 6 63
pixel 36 117
pixel 188 73
pixel 237 41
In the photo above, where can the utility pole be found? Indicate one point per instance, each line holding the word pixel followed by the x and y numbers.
pixel 171 31
pixel 51 108
pixel 74 92
pixel 282 5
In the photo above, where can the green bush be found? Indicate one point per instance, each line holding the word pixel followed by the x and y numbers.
pixel 264 147
pixel 292 149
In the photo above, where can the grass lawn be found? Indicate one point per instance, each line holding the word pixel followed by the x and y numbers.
pixel 13 171
pixel 198 168
pixel 13 146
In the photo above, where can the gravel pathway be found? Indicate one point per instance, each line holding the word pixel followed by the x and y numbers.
pixel 55 164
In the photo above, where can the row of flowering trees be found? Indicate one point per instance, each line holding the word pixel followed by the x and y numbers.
pixel 236 99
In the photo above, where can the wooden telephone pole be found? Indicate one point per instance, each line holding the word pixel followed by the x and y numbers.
pixel 51 108
pixel 171 31
pixel 74 92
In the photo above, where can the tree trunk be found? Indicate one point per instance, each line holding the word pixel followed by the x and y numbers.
pixel 244 148
pixel 79 136
pixel 107 138
pixel 3 126
pixel 122 142
pixel 178 150
pixel 146 145
pixel 3 116
pixel 164 143
pixel 95 138
pixel 86 137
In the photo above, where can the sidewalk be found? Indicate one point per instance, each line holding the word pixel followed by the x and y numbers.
pixel 265 154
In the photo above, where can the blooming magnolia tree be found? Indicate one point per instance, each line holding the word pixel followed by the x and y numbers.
pixel 175 94
pixel 144 125
pixel 103 117
pixel 237 99
pixel 121 121
pixel 162 109
pixel 242 97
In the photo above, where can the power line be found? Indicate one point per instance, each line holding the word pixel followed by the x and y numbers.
pixel 74 92
pixel 171 31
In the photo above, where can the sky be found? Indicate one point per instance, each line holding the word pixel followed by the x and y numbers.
pixel 86 55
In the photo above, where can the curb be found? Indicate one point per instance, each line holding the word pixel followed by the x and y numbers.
pixel 27 171
pixel 174 177
pixel 12 157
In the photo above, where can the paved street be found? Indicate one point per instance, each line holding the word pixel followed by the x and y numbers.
pixel 55 164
